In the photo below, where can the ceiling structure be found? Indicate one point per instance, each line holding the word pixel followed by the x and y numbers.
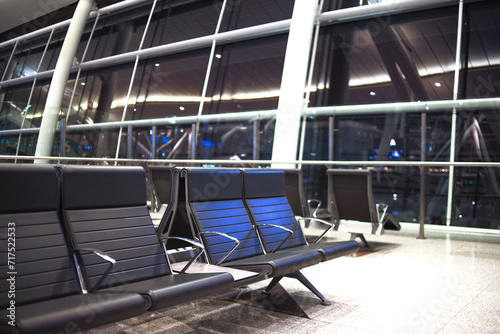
pixel 12 14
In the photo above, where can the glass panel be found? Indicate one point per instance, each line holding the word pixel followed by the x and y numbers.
pixel 237 141
pixel 94 144
pixel 391 137
pixel 168 86
pixel 246 13
pixel 483 54
pixel 388 59
pixel 100 95
pixel 183 22
pixel 172 142
pixel 13 106
pixel 246 76
pixel 477 197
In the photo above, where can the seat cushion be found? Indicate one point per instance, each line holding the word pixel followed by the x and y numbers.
pixel 75 313
pixel 330 250
pixel 178 288
pixel 280 263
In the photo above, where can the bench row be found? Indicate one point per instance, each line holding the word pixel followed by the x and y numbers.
pixel 79 249
pixel 244 220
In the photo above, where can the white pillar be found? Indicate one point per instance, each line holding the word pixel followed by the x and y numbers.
pixel 451 177
pixel 291 100
pixel 60 78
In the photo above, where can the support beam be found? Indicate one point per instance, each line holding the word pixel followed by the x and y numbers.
pixel 451 177
pixel 291 100
pixel 60 78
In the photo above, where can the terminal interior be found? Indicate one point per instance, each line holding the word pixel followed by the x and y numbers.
pixel 377 119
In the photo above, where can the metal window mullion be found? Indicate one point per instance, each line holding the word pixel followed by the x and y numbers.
pixel 28 103
pixel 309 83
pixel 449 204
pixel 10 60
pixel 79 69
pixel 134 71
pixel 207 78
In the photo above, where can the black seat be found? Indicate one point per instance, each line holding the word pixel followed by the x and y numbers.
pixel 301 206
pixel 217 214
pixel 270 210
pixel 350 200
pixel 43 292
pixel 160 183
pixel 274 219
pixel 105 208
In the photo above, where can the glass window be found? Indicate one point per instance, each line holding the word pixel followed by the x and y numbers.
pixel 246 76
pixel 482 52
pixel 387 59
pixel 246 13
pixel 184 22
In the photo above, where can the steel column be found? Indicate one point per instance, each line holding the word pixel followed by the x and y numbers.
pixel 60 79
pixel 293 81
pixel 451 177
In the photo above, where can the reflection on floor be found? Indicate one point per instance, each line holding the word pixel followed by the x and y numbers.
pixel 400 285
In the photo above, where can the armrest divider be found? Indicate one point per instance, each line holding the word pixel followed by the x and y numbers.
pixel 235 240
pixel 199 245
pixel 102 255
pixel 283 228
pixel 330 226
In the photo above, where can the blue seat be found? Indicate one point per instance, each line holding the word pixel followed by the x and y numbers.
pixel 265 196
pixel 216 213
pixel 270 211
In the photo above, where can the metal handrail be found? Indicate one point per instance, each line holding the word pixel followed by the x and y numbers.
pixel 260 162
pixel 380 108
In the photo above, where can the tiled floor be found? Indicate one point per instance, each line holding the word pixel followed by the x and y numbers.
pixel 447 283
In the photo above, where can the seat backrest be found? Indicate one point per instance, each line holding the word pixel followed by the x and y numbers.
pixel 165 226
pixel 104 208
pixel 350 194
pixel 214 198
pixel 264 191
pixel 161 179
pixel 35 263
pixel 295 192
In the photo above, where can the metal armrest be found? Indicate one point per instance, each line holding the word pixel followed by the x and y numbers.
pixel 283 228
pixel 383 207
pixel 190 241
pixel 318 205
pixel 103 256
pixel 236 243
pixel 330 226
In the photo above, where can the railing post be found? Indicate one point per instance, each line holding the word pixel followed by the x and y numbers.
pixel 129 142
pixel 423 134
pixel 153 142
pixel 256 140
pixel 63 137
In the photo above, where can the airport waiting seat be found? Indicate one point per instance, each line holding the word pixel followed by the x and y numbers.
pixel 105 208
pixel 301 207
pixel 350 200
pixel 218 216
pixel 265 197
pixel 159 178
pixel 39 289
